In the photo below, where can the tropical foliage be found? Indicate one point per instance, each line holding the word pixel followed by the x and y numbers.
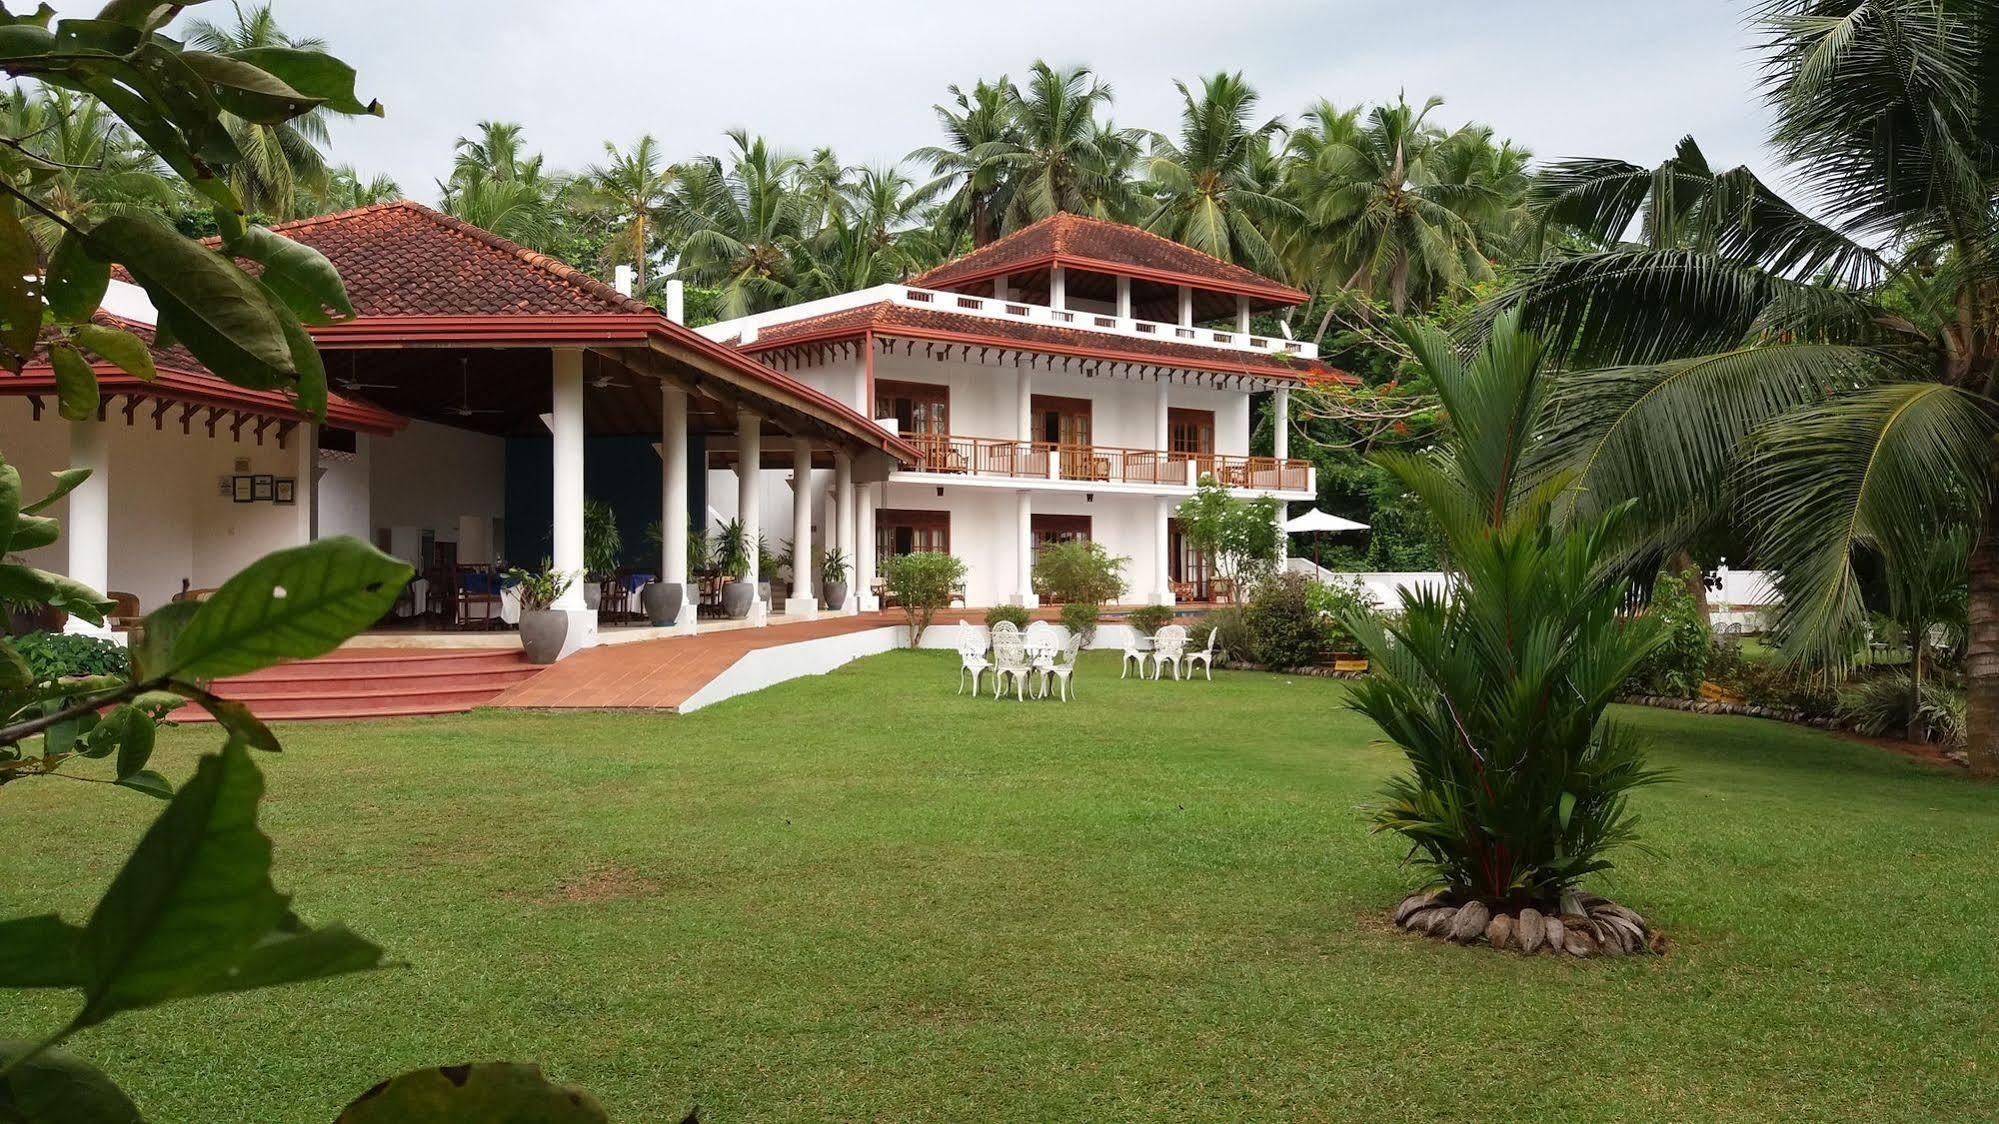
pixel 1495 690
pixel 1823 380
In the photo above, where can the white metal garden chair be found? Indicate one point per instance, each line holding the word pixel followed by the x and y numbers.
pixel 1062 670
pixel 1203 656
pixel 971 657
pixel 1010 663
pixel 1134 653
pixel 1004 626
pixel 1169 647
pixel 1041 634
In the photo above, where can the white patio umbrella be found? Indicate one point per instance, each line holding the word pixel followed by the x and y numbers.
pixel 1316 520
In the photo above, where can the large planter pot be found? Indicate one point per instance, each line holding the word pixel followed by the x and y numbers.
pixel 836 594
pixel 593 595
pixel 763 593
pixel 542 634
pixel 662 602
pixel 737 598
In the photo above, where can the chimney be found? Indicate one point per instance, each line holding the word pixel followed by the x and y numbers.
pixel 749 334
pixel 621 279
pixel 676 301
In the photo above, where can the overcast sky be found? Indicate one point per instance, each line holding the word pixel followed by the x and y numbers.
pixel 1564 77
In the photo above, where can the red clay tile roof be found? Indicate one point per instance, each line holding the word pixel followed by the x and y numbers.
pixel 405 259
pixel 886 319
pixel 1108 247
pixel 182 378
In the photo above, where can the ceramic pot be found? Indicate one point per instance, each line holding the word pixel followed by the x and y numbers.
pixel 836 595
pixel 661 601
pixel 737 598
pixel 542 634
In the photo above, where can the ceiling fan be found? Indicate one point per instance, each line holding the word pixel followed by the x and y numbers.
pixel 605 380
pixel 353 380
pixel 464 408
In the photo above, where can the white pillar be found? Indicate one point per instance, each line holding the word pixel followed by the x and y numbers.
pixel 1124 298
pixel 673 499
pixel 1162 580
pixel 305 448
pixel 1001 289
pixel 1280 423
pixel 803 604
pixel 1024 555
pixel 1058 287
pixel 864 549
pixel 749 503
pixel 1186 306
pixel 1242 315
pixel 676 301
pixel 87 525
pixel 1024 422
pixel 566 460
pixel 1161 429
pixel 843 524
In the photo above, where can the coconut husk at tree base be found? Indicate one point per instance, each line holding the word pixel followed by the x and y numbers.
pixel 1595 926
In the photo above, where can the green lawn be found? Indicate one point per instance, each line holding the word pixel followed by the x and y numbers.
pixel 858 897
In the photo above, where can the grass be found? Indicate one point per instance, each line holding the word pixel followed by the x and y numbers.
pixel 858 897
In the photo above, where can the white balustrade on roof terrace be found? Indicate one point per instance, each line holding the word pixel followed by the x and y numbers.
pixel 1015 312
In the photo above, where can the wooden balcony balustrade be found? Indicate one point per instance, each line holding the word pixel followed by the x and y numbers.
pixel 1044 460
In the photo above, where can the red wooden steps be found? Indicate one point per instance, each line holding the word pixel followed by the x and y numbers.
pixel 374 683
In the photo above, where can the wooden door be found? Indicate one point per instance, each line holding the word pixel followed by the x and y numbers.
pixel 1066 424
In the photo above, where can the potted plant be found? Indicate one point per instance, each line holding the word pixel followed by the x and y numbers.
pixel 732 557
pixel 542 630
pixel 768 564
pixel 833 577
pixel 662 600
pixel 603 548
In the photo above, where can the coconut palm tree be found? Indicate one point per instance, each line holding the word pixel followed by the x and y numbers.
pixel 95 167
pixel 497 186
pixel 980 125
pixel 629 193
pixel 1839 375
pixel 346 190
pixel 1059 156
pixel 1380 219
pixel 878 234
pixel 282 166
pixel 1209 194
pixel 737 225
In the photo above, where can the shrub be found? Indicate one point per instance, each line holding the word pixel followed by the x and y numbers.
pixel 1517 787
pixel 1333 601
pixel 1880 707
pixel 1150 619
pixel 1679 664
pixel 1080 618
pixel 1233 639
pixel 1017 614
pixel 1774 685
pixel 1080 570
pixel 58 655
pixel 921 583
pixel 1239 536
pixel 1285 630
pixel 603 543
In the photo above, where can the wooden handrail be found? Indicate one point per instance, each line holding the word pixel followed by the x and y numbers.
pixel 1042 460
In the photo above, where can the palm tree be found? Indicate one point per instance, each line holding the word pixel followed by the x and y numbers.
pixel 1837 375
pixel 980 125
pixel 496 187
pixel 1209 194
pixel 630 193
pixel 879 233
pixel 1059 157
pixel 97 168
pixel 737 225
pixel 1380 219
pixel 347 191
pixel 282 167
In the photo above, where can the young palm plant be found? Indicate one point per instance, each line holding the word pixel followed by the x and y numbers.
pixel 1518 786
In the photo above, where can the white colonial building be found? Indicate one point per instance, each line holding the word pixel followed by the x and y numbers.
pixel 1074 379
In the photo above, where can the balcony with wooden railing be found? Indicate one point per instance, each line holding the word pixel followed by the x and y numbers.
pixel 950 454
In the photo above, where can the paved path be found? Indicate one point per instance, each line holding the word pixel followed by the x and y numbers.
pixel 662 674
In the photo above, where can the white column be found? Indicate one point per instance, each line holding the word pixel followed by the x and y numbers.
pixel 803 604
pixel 1186 306
pixel 1001 289
pixel 749 503
pixel 843 524
pixel 566 461
pixel 1242 315
pixel 1024 422
pixel 1162 581
pixel 864 549
pixel 1280 423
pixel 1024 554
pixel 673 499
pixel 87 525
pixel 305 490
pixel 1058 287
pixel 1124 298
pixel 1161 428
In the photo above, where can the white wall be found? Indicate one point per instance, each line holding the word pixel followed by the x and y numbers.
pixel 343 497
pixel 169 521
pixel 985 533
pixel 431 476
